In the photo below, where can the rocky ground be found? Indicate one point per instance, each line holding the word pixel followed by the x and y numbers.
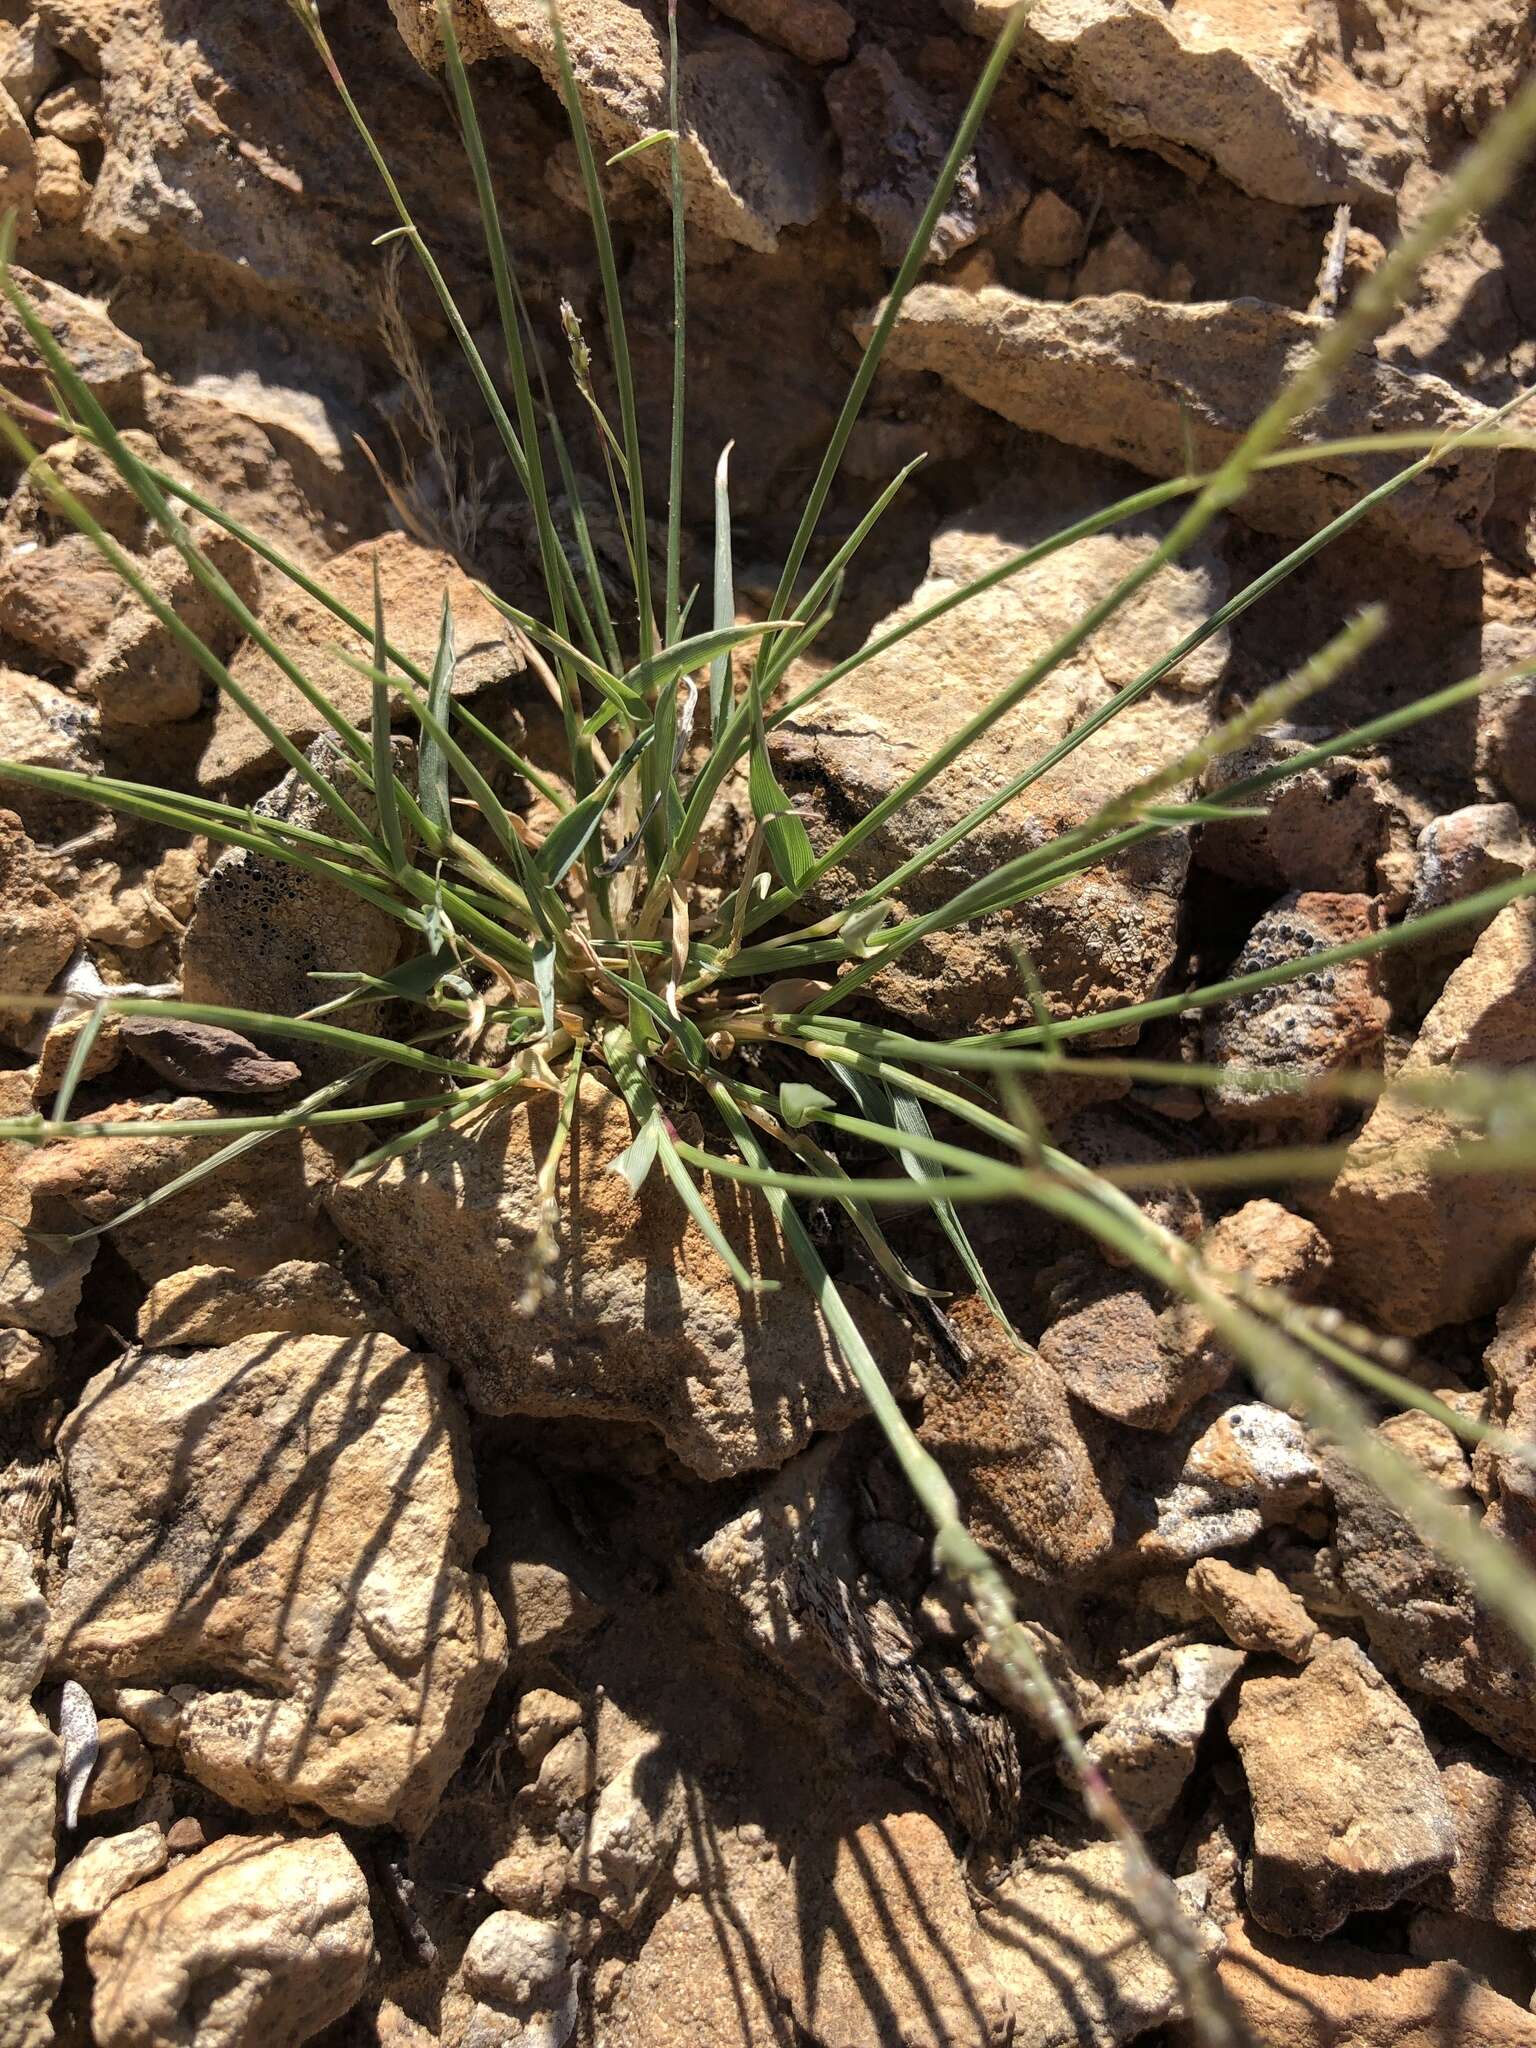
pixel 378 1665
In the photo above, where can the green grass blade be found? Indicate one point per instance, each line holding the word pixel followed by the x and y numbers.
pixel 720 690
pixel 432 764
pixel 383 748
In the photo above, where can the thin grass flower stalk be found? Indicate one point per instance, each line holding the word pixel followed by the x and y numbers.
pixel 591 951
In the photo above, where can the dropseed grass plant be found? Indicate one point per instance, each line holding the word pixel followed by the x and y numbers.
pixel 538 959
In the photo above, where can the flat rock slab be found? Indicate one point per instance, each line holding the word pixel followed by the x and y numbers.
pixel 1133 377
pixel 289 1522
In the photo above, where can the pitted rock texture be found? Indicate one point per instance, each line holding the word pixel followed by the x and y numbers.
pixel 641 1322
pixel 288 1523
pixel 1103 937
pixel 1348 1811
pixel 252 1941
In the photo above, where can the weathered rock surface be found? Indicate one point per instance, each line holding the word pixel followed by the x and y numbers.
pixel 1099 938
pixel 642 1324
pixel 1417 1249
pixel 1065 1945
pixel 31 1969
pixel 1348 1811
pixel 1328 1022
pixel 1216 1486
pixel 1146 1748
pixel 1257 90
pixel 1423 1618
pixel 1120 1346
pixel 1323 828
pixel 888 1950
pixel 106 1868
pixel 521 1967
pixel 1493 1810
pixel 1294 1996
pixel 38 933
pixel 754 154
pixel 251 1941
pixel 893 141
pixel 26 1366
pixel 210 1305
pixel 1142 379
pixel 121 1771
pixel 700 1978
pixel 1012 1449
pixel 1507 1483
pixel 634 1832
pixel 294 1516
pixel 107 360
pixel 414 580
pixel 254 1213
pixel 1255 1610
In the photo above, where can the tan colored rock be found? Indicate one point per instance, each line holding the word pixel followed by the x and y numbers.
pixel 1463 852
pixel 108 361
pixel 1154 383
pixel 1292 1995
pixel 754 154
pixel 61 189
pixel 1493 1810
pixel 1258 90
pixel 1051 234
pixel 258 1211
pixel 263 929
pixel 31 1969
pixel 521 1967
pixel 1423 1618
pixel 1213 1484
pixel 253 1941
pixel 1147 1744
pixel 140 674
pixel 816 31
pixel 122 1770
pixel 38 933
pixel 1348 1813
pixel 414 580
pixel 1012 1449
pixel 887 1953
pixel 634 1833
pixel 1417 1250
pixel 28 61
pixel 1323 827
pixel 106 1868
pixel 1065 1945
pixel 1120 1345
pixel 290 1522
pixel 1328 1022
pixel 538 1572
pixel 72 112
pixel 40 1277
pixel 700 1979
pixel 41 727
pixel 216 1305
pixel 643 1324
pixel 1255 1610
pixel 1507 1483
pixel 26 1366
pixel 1103 937
pixel 1119 264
